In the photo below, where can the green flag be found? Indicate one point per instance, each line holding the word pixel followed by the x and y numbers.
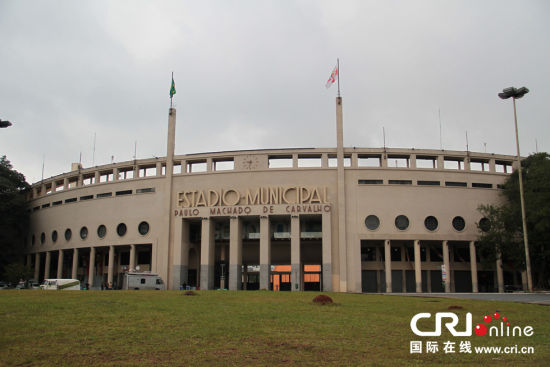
pixel 172 88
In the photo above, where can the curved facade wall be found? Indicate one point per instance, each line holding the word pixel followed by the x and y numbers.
pixel 239 219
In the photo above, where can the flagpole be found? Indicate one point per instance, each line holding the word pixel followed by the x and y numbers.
pixel 171 96
pixel 338 68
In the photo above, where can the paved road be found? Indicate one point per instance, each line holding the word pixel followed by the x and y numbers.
pixel 537 298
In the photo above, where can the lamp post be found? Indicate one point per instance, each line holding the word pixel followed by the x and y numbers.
pixel 515 94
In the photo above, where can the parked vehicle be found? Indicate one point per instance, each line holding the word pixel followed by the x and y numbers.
pixel 4 285
pixel 61 284
pixel 143 281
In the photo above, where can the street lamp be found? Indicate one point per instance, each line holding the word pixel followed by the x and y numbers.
pixel 5 123
pixel 515 94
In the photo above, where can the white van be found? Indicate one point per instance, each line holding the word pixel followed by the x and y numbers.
pixel 137 281
pixel 61 284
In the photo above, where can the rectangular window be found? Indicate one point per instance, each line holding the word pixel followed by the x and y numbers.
pixel 398 162
pixel 223 164
pixel 71 200
pixel 333 161
pixel 368 253
pixel 145 190
pixel 56 203
pixel 368 161
pixel 370 182
pixel 124 192
pixel 455 184
pixel 482 185
pixel 45 205
pixel 426 162
pixel 396 254
pixel 86 197
pixel 105 195
pixel 142 280
pixel 428 183
pixel 280 162
pixel 400 182
pixel 304 161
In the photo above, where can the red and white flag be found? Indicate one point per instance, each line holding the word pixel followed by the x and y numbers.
pixel 333 77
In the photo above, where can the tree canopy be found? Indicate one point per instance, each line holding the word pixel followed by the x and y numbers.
pixel 503 231
pixel 13 213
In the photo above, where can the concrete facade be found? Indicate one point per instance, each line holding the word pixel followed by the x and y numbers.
pixel 226 218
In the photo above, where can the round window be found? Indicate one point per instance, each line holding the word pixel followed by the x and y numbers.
pixel 101 231
pixel 42 238
pixel 402 222
pixel 372 222
pixel 431 223
pixel 54 236
pixel 121 229
pixel 83 233
pixel 484 224
pixel 458 223
pixel 143 228
pixel 68 234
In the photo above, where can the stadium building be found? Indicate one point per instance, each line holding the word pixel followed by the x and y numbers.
pixel 335 219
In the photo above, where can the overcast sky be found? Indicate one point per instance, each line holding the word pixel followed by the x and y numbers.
pixel 252 74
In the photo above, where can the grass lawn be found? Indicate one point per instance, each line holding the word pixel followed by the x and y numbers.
pixel 254 328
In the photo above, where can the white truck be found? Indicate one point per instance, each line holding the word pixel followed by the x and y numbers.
pixel 133 280
pixel 61 284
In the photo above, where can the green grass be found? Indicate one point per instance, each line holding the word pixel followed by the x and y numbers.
pixel 256 328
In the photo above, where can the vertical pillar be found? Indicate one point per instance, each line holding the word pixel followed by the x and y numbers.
pixel 36 266
pixel 524 281
pixel 91 267
pixel 181 253
pixel 265 252
pixel 341 185
pixel 96 177
pixel 473 266
pixel 387 263
pixel 295 263
pixel 111 266
pixel 327 252
pixel 500 275
pixel 207 254
pixel 60 265
pixel 417 267
pixel 132 265
pixel 75 264
pixel 447 266
pixel 159 169
pixel 235 253
pixel 47 267
pixel 115 174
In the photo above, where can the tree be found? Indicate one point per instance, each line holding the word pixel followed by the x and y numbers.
pixel 14 218
pixel 503 231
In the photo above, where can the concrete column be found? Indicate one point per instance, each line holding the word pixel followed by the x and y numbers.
pixel 342 236
pixel 446 262
pixel 324 160
pixel 492 165
pixel 327 253
pixel 412 161
pixel 387 264
pixel 132 265
pixel 500 275
pixel 159 169
pixel 111 265
pixel 467 163
pixel 235 254
pixel 296 264
pixel 36 266
pixel 354 160
pixel 47 267
pixel 265 252
pixel 440 162
pixel 60 265
pixel 295 161
pixel 65 183
pixel 207 254
pixel 209 164
pixel 91 267
pixel 136 171
pixel 473 266
pixel 181 253
pixel 417 267
pixel 80 181
pixel 96 177
pixel 75 264
pixel 115 174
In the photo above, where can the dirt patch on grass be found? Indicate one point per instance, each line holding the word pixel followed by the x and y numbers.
pixel 190 293
pixel 322 300
pixel 453 307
